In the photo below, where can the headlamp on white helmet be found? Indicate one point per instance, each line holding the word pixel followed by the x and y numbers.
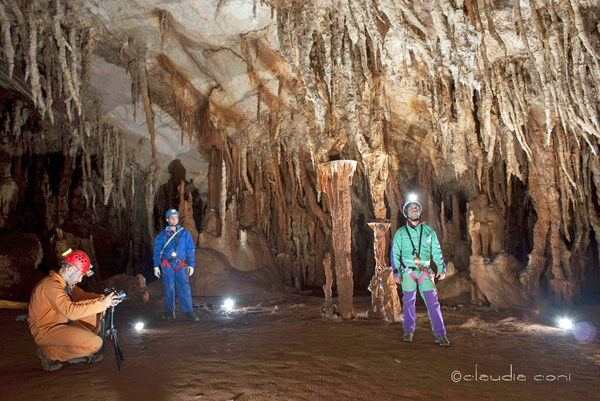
pixel 412 200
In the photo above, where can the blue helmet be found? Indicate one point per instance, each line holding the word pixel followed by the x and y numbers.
pixel 171 212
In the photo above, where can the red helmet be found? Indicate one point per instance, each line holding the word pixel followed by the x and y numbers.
pixel 80 260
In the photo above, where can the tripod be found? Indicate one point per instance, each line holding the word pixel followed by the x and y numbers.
pixel 112 332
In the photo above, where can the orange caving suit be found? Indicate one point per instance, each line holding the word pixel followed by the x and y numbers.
pixel 64 326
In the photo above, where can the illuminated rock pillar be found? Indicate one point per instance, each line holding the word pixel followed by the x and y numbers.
pixel 335 178
pixel 328 304
pixel 385 302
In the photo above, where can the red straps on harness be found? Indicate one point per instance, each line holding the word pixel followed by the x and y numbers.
pixel 165 262
pixel 423 275
pixel 415 278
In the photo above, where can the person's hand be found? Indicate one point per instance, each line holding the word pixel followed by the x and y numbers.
pixel 111 300
pixel 397 279
pixel 440 275
pixel 157 272
pixel 190 271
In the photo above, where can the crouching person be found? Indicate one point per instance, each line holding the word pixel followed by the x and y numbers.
pixel 63 319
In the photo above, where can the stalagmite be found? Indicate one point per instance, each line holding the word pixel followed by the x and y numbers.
pixel 335 178
pixel 385 302
pixel 327 305
pixel 9 192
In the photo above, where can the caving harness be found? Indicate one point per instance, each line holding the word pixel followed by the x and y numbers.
pixel 165 262
pixel 417 261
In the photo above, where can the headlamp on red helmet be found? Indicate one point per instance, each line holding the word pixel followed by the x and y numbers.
pixel 80 261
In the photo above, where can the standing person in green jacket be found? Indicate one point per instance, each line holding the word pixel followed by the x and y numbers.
pixel 414 245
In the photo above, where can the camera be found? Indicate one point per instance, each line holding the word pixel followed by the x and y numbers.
pixel 118 295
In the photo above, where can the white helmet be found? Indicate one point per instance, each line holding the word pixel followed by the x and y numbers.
pixel 412 200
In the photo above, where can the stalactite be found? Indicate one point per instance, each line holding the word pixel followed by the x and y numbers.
pixel 121 160
pixel 86 165
pixel 223 196
pixel 22 30
pixel 143 84
pixel 62 194
pixel 9 51
pixel 185 117
pixel 244 155
pixel 48 201
pixel 62 57
pixel 581 31
pixel 75 52
pixel 36 89
pixel 86 49
pixel 150 186
pixel 108 154
pixel 163 25
pixel 316 209
pixel 47 55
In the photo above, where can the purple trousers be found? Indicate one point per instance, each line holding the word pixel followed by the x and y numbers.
pixel 433 309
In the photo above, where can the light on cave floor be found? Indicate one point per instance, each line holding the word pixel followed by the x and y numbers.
pixel 565 323
pixel 228 304
pixel 139 326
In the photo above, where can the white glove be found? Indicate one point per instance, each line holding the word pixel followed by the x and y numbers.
pixel 190 271
pixel 157 272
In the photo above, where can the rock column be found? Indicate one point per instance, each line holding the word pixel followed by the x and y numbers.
pixel 335 178
pixel 384 296
pixel 327 305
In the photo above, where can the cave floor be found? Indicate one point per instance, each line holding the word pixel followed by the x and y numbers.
pixel 281 349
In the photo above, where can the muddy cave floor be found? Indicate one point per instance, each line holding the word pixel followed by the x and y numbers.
pixel 276 347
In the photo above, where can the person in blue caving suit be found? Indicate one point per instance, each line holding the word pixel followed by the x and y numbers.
pixel 174 257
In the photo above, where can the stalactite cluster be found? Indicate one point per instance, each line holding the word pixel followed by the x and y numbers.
pixel 485 89
pixel 508 94
pixel 47 34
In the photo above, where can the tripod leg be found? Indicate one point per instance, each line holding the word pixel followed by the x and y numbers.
pixel 115 342
pixel 118 348
pixel 118 352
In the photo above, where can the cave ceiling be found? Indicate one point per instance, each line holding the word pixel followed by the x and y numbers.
pixel 460 80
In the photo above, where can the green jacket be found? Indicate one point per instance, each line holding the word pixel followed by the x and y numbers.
pixel 402 249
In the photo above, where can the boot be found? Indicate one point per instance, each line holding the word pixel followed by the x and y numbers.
pixel 191 317
pixel 442 340
pixel 408 336
pixel 47 364
pixel 170 314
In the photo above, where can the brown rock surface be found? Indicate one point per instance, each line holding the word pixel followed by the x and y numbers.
pixel 20 255
pixel 498 280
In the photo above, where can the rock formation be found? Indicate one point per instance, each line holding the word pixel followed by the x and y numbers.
pixel 449 98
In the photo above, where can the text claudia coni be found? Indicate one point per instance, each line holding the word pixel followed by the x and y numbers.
pixel 510 376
